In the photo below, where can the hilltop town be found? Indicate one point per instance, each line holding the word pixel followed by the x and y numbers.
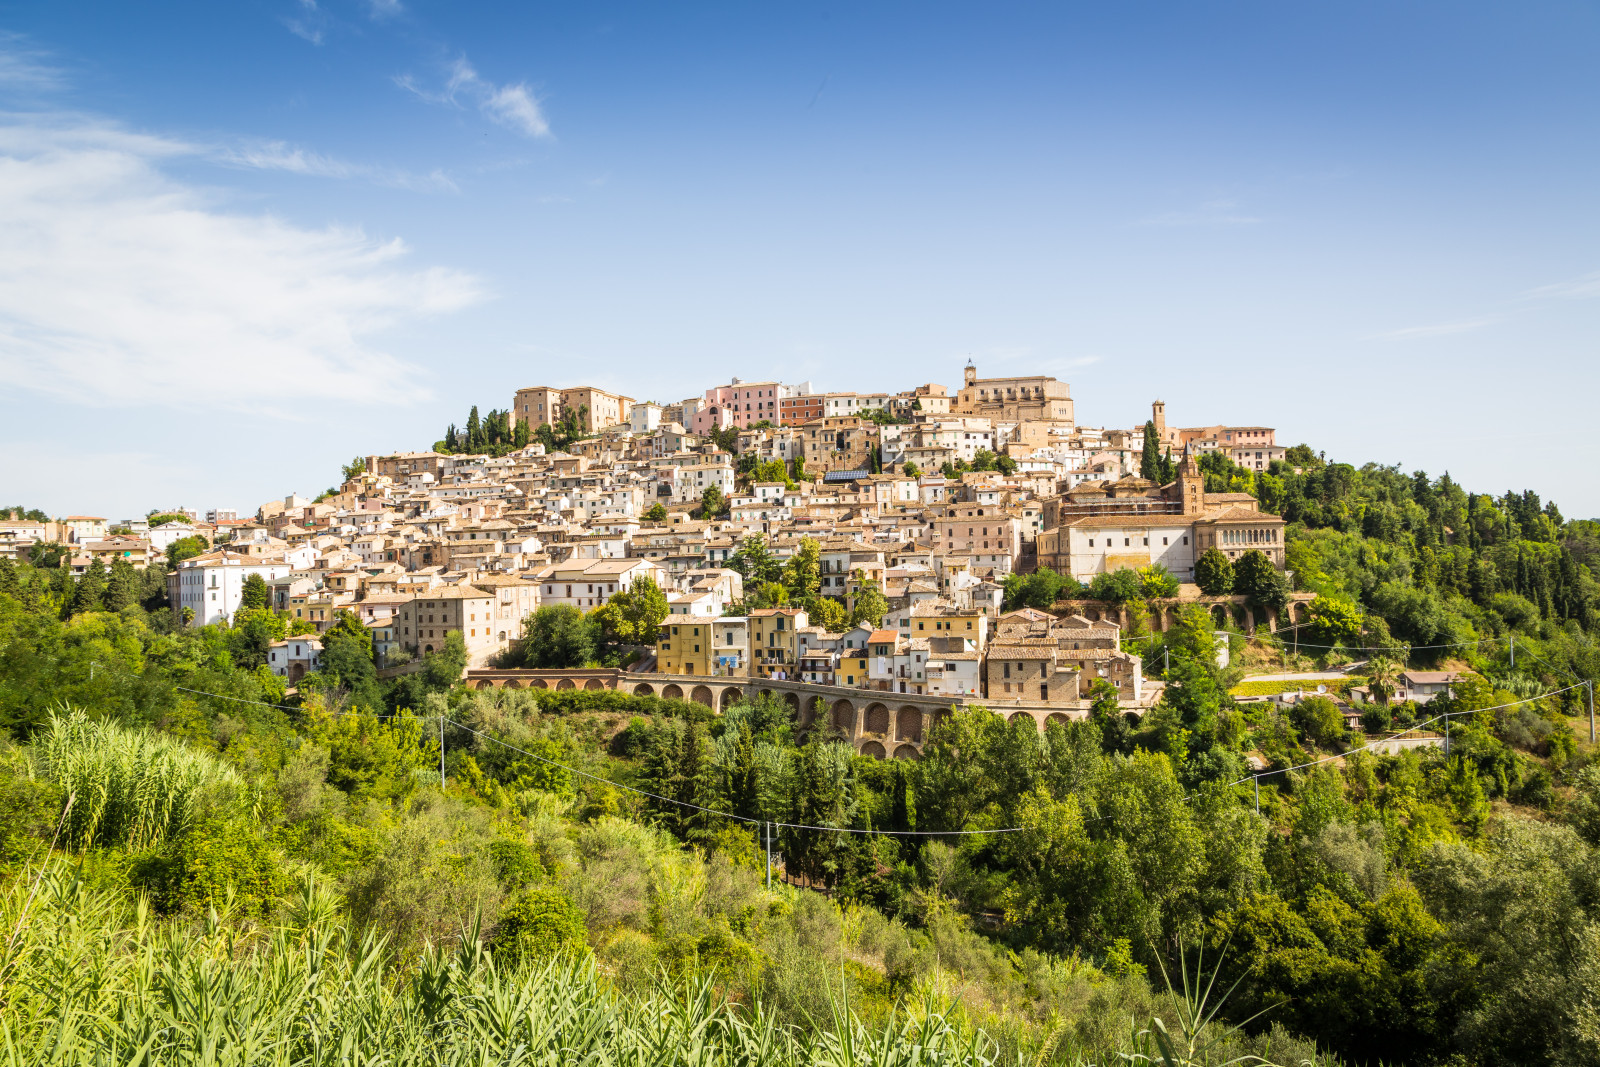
pixel 762 531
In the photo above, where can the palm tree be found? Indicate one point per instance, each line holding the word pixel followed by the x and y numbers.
pixel 1383 675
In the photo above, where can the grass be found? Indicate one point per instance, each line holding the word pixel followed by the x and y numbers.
pixel 129 786
pixel 1338 687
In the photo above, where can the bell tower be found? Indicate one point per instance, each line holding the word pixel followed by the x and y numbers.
pixel 1192 486
pixel 970 375
pixel 1158 415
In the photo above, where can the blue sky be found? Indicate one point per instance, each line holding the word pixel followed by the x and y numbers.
pixel 246 241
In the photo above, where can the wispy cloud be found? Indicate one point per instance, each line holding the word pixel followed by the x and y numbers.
pixel 382 9
pixel 1581 287
pixel 121 286
pixel 1442 329
pixel 309 24
pixel 513 106
pixel 1210 213
pixel 23 67
pixel 277 155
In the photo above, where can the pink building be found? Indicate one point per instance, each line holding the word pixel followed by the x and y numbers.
pixel 740 404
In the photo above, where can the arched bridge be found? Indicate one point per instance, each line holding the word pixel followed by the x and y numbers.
pixel 876 723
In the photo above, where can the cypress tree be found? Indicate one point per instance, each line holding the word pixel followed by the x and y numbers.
pixel 1150 457
pixel 474 431
pixel 119 587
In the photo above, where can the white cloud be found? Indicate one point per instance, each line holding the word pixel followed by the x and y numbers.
pixel 513 106
pixel 1211 213
pixel 276 155
pixel 1579 288
pixel 24 68
pixel 122 286
pixel 382 9
pixel 1442 329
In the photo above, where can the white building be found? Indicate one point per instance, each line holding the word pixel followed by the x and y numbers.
pixel 295 657
pixel 212 584
pixel 589 583
pixel 1101 543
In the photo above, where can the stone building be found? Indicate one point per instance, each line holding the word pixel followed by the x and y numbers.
pixel 596 408
pixel 1033 396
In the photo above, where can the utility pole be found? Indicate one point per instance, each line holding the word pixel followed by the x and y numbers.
pixel 1513 651
pixel 1591 711
pixel 441 753
pixel 768 829
pixel 1256 778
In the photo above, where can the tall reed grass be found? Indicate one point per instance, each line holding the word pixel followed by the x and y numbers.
pixel 131 787
pixel 86 979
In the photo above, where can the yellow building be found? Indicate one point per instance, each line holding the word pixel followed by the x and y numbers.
pixel 775 642
pixel 712 646
pixel 684 647
pixel 852 667
pixel 931 619
pixel 596 408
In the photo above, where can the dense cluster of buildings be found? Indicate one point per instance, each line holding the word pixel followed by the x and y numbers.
pixel 423 544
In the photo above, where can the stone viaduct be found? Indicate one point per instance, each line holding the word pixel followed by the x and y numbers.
pixel 876 723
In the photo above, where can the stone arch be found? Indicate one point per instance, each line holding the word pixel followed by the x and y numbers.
pixel 538 683
pixel 908 724
pixel 1057 717
pixel 1219 615
pixel 512 683
pixel 485 684
pixel 876 719
pixel 793 700
pixel 644 689
pixel 1020 716
pixel 844 716
pixel 427 648
pixel 566 683
pixel 766 692
pixel 702 695
pixel 873 749
pixel 594 683
pixel 1239 615
pixel 731 696
pixel 907 752
pixel 1300 611
pixel 672 692
pixel 502 637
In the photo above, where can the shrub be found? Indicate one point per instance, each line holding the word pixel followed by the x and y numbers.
pixel 540 922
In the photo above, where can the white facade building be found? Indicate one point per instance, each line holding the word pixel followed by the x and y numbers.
pixel 212 584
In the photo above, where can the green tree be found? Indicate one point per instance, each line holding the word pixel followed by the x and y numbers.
pixel 755 562
pixel 912 470
pixel 802 574
pixel 121 586
pixel 828 613
pixel 657 512
pixel 870 605
pixel 1213 573
pixel 1318 718
pixel 1116 586
pixel 1150 455
pixel 254 592
pixel 1383 677
pixel 557 636
pixel 712 503
pixel 634 615
pixel 797 468
pixel 89 592
pixel 354 468
pixel 983 460
pixel 1156 581
pixel 540 922
pixel 1334 620
pixel 1256 577
pixel 474 431
pixel 185 548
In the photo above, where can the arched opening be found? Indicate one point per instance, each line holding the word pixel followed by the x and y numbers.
pixel 538 683
pixel 766 692
pixel 907 752
pixel 427 648
pixel 644 689
pixel 594 683
pixel 873 749
pixel 876 719
pixel 793 700
pixel 1057 718
pixel 730 697
pixel 566 683
pixel 672 692
pixel 502 637
pixel 702 695
pixel 512 683
pixel 1219 615
pixel 844 716
pixel 485 684
pixel 1022 716
pixel 908 724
